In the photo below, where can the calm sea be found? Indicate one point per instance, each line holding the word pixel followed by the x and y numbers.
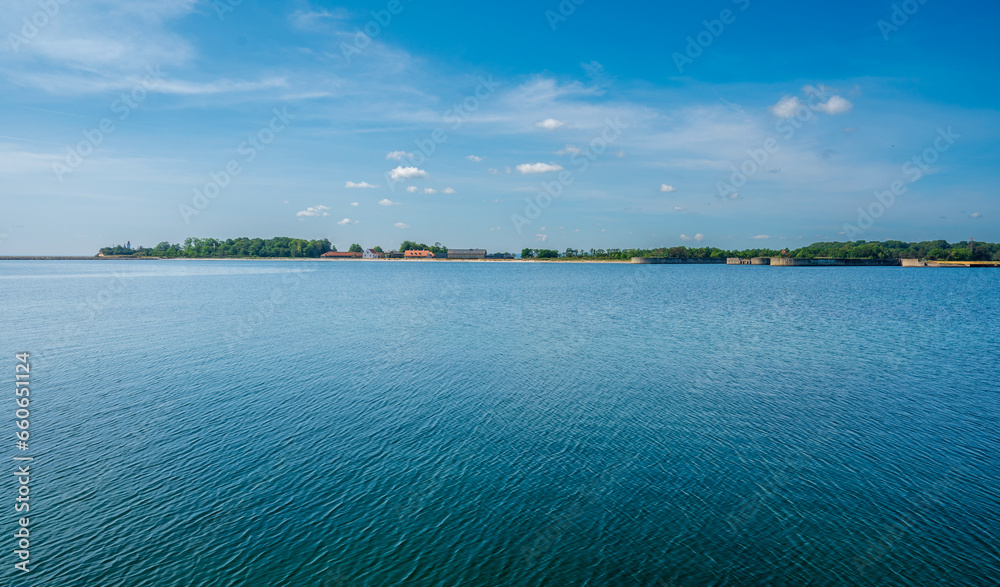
pixel 211 423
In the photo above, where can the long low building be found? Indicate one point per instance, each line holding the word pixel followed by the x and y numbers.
pixel 466 253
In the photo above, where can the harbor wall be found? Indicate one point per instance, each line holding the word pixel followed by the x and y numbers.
pixel 789 262
pixel 673 261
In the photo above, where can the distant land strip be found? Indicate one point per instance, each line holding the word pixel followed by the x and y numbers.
pixel 859 252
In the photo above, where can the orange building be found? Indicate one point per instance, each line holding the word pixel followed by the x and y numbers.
pixel 339 255
pixel 418 255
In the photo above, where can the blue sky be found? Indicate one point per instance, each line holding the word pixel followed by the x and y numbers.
pixel 580 124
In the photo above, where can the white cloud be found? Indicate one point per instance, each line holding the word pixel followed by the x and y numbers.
pixel 621 153
pixel 401 225
pixel 407 173
pixel 667 188
pixel 550 124
pixel 312 20
pixel 975 215
pixel 538 167
pixel 541 237
pixel 363 184
pixel 474 158
pixel 835 105
pixel 761 237
pixel 449 191
pixel 387 202
pixel 570 150
pixel 355 204
pixel 430 191
pixel 685 237
pixel 786 107
pixel 399 155
pixel 314 211
pixel 347 221
pixel 699 237
pixel 412 189
pixel 492 171
pixel 678 209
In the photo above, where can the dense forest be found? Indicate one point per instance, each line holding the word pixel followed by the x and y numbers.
pixel 938 250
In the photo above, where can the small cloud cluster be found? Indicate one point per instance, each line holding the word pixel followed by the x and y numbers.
pixel 398 156
pixel 526 168
pixel 312 212
pixel 788 106
pixel 761 237
pixel 387 202
pixel 697 238
pixel 363 184
pixel 407 173
pixel 401 225
pixel 667 188
pixel 550 124
pixel 474 158
pixel 346 221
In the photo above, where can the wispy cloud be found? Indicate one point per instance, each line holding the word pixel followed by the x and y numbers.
pixel 346 221
pixel 398 156
pixel 474 158
pixel 667 188
pixel 401 225
pixel 363 184
pixel 387 202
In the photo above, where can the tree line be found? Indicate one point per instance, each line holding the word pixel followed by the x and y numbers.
pixel 281 246
pixel 938 250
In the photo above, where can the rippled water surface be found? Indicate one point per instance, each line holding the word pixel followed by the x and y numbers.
pixel 419 423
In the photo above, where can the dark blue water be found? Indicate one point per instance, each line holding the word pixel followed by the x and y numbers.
pixel 392 423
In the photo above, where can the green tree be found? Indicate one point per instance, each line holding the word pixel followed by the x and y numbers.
pixel 527 253
pixel 355 248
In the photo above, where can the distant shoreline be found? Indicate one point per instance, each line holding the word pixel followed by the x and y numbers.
pixel 636 260
pixel 335 260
